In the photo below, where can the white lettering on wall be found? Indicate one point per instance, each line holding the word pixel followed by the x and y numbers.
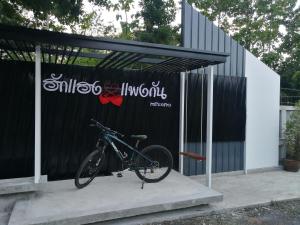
pixel 141 90
pixel 160 104
pixel 72 86
pixel 56 83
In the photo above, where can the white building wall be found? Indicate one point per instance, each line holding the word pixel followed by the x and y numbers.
pixel 262 125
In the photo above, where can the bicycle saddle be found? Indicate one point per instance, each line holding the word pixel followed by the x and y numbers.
pixel 139 137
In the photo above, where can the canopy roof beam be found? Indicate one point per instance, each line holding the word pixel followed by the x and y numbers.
pixel 112 54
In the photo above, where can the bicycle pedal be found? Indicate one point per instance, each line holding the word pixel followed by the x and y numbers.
pixel 119 175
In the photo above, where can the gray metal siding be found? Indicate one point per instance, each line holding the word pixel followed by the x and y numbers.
pixel 200 33
pixel 226 156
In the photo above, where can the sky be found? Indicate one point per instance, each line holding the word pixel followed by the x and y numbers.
pixel 110 16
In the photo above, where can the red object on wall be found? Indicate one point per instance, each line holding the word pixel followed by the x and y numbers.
pixel 114 99
pixel 193 155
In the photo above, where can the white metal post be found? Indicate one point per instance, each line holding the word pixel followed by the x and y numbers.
pixel 181 120
pixel 209 124
pixel 37 130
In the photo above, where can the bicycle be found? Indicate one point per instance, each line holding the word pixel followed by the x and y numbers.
pixel 152 164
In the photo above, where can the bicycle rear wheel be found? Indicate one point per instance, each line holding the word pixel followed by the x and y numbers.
pixel 159 168
pixel 89 168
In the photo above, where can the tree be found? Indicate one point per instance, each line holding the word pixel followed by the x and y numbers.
pixel 54 15
pixel 290 68
pixel 151 24
pixel 270 29
pixel 156 13
pixel 258 25
pixel 125 6
pixel 34 12
pixel 157 16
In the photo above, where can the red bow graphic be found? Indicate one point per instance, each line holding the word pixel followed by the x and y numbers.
pixel 114 99
pixel 111 93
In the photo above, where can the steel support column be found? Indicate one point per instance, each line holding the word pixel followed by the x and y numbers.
pixel 209 125
pixel 181 120
pixel 37 130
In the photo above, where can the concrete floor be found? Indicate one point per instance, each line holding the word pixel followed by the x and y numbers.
pixel 238 191
pixel 109 198
pixel 255 188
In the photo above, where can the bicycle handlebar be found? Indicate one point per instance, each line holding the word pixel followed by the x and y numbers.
pixel 99 125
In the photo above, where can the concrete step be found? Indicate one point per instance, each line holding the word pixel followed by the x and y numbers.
pixel 19 185
pixel 110 198
pixel 4 217
pixel 13 190
pixel 7 203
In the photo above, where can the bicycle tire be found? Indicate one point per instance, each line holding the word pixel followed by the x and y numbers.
pixel 154 152
pixel 96 154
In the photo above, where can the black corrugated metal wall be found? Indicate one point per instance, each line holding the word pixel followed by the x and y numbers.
pixel 200 33
pixel 67 138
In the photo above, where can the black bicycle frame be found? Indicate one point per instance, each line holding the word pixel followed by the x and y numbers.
pixel 110 138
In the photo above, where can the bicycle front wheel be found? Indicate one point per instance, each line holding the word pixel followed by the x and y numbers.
pixel 155 165
pixel 89 168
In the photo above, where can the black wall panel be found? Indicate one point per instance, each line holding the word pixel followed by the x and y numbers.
pixel 16 120
pixel 199 32
pixel 66 136
pixel 229 119
pixel 229 108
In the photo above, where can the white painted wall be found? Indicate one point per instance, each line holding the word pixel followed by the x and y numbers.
pixel 262 124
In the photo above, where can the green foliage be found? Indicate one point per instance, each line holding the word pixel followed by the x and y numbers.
pixel 296 78
pixel 269 29
pixel 124 5
pixel 272 59
pixel 151 24
pixel 292 134
pixel 127 33
pixel 254 23
pixel 103 3
pixel 53 15
pixel 291 48
pixel 157 16
pixel 10 13
pixel 156 13
pixel 162 35
pixel 13 11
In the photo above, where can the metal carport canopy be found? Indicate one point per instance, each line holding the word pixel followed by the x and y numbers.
pixel 18 43
pixel 25 44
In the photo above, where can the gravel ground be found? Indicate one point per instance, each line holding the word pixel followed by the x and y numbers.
pixel 278 213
